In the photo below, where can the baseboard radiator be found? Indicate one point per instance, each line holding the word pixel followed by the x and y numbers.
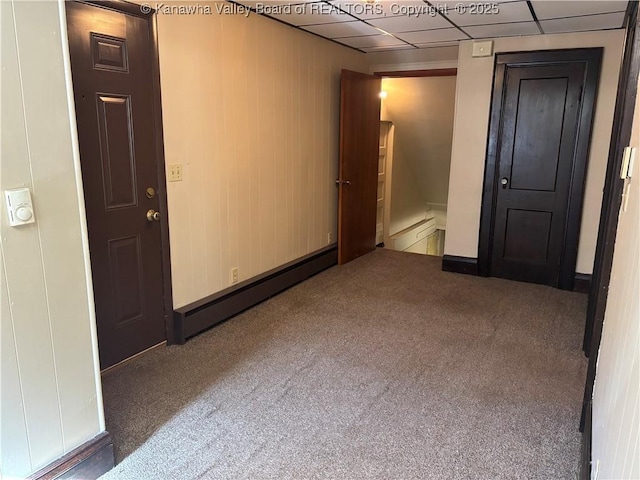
pixel 214 309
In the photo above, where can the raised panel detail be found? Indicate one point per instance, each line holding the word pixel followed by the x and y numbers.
pixel 125 261
pixel 527 235
pixel 109 53
pixel 117 152
pixel 538 132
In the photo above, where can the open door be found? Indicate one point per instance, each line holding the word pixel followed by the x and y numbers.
pixel 359 137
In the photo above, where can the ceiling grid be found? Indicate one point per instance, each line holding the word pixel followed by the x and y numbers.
pixel 382 25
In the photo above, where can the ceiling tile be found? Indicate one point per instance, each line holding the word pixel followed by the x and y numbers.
pixel 384 8
pixel 580 24
pixel 409 24
pixel 431 36
pixel 311 13
pixel 436 44
pixel 503 30
pixel 267 3
pixel 383 49
pixel 467 14
pixel 372 41
pixel 343 29
pixel 572 8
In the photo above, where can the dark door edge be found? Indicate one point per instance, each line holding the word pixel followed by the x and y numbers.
pixel 612 199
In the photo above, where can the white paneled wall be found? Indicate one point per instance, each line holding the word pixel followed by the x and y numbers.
pixel 50 398
pixel 616 401
pixel 250 108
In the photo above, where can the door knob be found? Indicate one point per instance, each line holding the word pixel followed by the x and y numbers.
pixel 152 215
pixel 504 182
pixel 343 182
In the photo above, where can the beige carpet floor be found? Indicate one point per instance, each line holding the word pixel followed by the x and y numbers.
pixel 384 368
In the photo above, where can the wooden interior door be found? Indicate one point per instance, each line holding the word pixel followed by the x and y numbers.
pixel 111 60
pixel 358 181
pixel 542 129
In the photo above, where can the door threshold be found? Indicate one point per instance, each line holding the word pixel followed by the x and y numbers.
pixel 132 357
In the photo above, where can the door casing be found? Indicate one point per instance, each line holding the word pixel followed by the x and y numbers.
pixel 608 227
pixel 592 57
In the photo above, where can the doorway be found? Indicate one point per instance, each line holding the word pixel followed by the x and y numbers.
pixel 117 101
pixel 533 188
pixel 417 114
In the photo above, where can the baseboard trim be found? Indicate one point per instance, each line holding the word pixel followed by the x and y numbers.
pixel 214 309
pixel 582 283
pixel 89 461
pixel 466 265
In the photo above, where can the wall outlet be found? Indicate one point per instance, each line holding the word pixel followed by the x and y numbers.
pixel 234 275
pixel 175 172
pixel 329 237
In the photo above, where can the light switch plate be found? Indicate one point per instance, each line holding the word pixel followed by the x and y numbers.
pixel 175 172
pixel 19 207
pixel 482 49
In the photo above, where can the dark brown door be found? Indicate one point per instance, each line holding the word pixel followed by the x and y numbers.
pixel 359 138
pixel 540 130
pixel 111 67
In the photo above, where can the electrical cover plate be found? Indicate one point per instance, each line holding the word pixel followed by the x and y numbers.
pixel 19 206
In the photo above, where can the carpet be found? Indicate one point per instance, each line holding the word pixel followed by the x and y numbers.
pixel 383 368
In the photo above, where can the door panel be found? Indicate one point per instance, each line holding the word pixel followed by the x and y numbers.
pixel 539 127
pixel 527 235
pixel 359 152
pixel 111 68
pixel 535 162
pixel 117 157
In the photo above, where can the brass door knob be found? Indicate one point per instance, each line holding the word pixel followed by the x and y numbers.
pixel 152 215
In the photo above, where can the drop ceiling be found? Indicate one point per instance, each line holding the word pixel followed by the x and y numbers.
pixel 382 25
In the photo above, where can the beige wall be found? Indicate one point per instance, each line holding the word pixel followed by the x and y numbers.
pixel 436 57
pixel 473 95
pixel 50 388
pixel 407 205
pixel 250 109
pixel 616 400
pixel 422 111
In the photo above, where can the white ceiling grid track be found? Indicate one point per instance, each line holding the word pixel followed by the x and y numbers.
pixel 376 25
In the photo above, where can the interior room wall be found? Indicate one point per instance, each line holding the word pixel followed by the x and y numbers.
pixel 412 59
pixel 422 109
pixel 616 398
pixel 473 95
pixel 251 110
pixel 407 205
pixel 50 397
